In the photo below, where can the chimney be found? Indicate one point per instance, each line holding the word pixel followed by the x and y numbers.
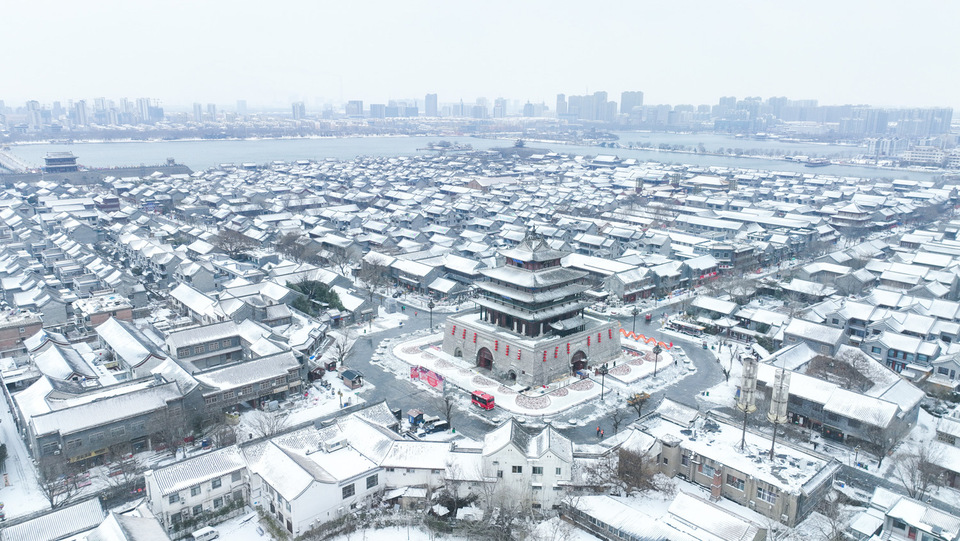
pixel 716 486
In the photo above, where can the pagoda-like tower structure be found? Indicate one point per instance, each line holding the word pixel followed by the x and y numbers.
pixel 530 326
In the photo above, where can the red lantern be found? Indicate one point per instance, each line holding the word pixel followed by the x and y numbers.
pixel 556 352
pixel 610 334
pixel 508 349
pixel 598 338
pixel 474 338
pixel 464 337
pixel 588 341
pixel 518 354
pixel 454 331
pixel 544 355
pixel 496 345
pixel 568 348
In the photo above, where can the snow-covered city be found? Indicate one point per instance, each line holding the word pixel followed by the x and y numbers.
pixel 564 271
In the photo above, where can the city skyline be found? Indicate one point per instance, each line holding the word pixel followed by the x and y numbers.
pixel 691 53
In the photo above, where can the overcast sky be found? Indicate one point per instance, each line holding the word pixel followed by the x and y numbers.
pixel 270 53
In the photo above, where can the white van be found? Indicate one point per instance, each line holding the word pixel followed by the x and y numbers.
pixel 205 534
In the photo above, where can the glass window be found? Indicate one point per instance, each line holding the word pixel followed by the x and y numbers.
pixel 74 444
pixel 538 470
pixel 194 490
pixel 735 482
pixel 517 469
pixel 174 498
pixel 348 491
pixel 216 483
pixel 558 471
pixel 197 509
pixel 767 495
pixel 217 503
pixel 235 476
pixel 118 432
pixel 372 481
pixel 875 349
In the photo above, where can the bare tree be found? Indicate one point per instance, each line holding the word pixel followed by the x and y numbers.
pixel 625 471
pixel 917 470
pixel 290 246
pixel 616 419
pixel 341 260
pixel 124 471
pixel 341 348
pixel 834 523
pixel 55 484
pixel 375 273
pixel 847 369
pixel 446 402
pixel 264 423
pixel 882 433
pixel 636 401
pixel 233 243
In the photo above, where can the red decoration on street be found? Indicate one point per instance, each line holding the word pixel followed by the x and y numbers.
pixel 496 345
pixel 610 334
pixel 556 352
pixel 464 334
pixel 544 355
pixel 508 350
pixel 454 331
pixel 588 341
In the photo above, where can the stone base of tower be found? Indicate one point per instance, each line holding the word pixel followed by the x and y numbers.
pixel 511 357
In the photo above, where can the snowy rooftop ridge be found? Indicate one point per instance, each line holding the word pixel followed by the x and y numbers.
pixel 192 471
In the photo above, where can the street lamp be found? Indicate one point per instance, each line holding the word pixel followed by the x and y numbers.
pixel 635 312
pixel 657 350
pixel 430 305
pixel 603 373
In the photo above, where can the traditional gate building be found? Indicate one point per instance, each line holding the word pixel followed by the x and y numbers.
pixel 531 327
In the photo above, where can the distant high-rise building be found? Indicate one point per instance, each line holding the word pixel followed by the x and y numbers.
pixel 478 111
pixel 57 109
pixel 34 119
pixel 629 100
pixel 354 108
pixel 212 111
pixel 143 109
pixel 299 110
pixel 197 112
pixel 499 108
pixel 600 106
pixel 378 110
pixel 561 105
pixel 242 107
pixel 80 113
pixel 430 105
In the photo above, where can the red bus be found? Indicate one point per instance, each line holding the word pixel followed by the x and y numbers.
pixel 482 400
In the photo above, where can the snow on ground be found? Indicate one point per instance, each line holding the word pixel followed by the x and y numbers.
pixel 19 491
pixel 385 321
pixel 555 529
pixel 413 533
pixel 315 402
pixel 724 394
pixel 243 528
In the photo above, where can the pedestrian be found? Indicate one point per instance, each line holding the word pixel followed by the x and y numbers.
pixel 601 434
pixel 598 431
